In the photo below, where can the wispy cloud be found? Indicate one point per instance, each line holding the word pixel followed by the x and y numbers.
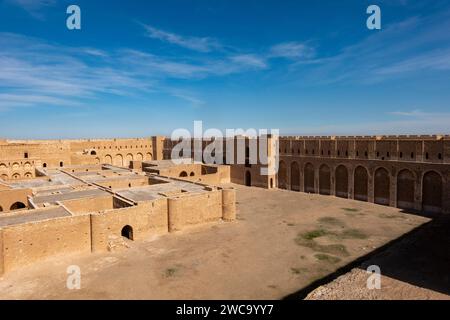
pixel 33 7
pixel 402 48
pixel 200 44
pixel 292 50
pixel 34 72
pixel 250 60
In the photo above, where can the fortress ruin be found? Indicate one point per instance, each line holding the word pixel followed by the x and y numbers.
pixel 82 196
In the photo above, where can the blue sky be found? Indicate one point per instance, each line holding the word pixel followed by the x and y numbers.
pixel 140 68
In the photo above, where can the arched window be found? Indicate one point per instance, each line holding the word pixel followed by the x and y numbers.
pixel 17 206
pixel 127 232
pixel 93 153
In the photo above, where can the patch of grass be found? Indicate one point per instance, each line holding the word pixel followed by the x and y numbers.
pixel 327 258
pixel 310 235
pixel 336 249
pixel 389 216
pixel 350 209
pixel 353 234
pixel 170 272
pixel 298 270
pixel 331 221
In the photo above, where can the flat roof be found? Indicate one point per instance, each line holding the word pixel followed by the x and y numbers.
pixel 79 194
pixel 154 191
pixel 33 216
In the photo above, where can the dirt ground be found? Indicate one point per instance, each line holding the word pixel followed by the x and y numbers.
pixel 281 242
pixel 418 267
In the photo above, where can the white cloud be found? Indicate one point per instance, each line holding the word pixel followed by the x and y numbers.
pixel 33 7
pixel 292 50
pixel 34 72
pixel 204 44
pixel 250 60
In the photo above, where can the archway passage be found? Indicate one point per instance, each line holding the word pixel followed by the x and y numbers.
pixel 129 159
pixel 127 232
pixel 309 178
pixel 248 179
pixel 382 187
pixel 341 177
pixel 282 176
pixel 192 174
pixel 295 176
pixel 405 189
pixel 183 174
pixel 108 159
pixel 17 206
pixel 361 184
pixel 324 180
pixel 118 160
pixel 432 192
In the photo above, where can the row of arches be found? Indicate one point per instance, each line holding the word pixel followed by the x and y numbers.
pixel 120 160
pixel 17 176
pixel 16 166
pixel 406 184
pixel 185 174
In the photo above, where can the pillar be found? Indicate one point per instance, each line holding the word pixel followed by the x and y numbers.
pixel 229 204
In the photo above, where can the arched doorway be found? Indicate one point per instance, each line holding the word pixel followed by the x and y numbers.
pixel 183 174
pixel 324 180
pixel 129 159
pixel 118 160
pixel 282 176
pixel 405 189
pixel 140 157
pixel 295 176
pixel 382 188
pixel 248 179
pixel 192 174
pixel 108 159
pixel 127 232
pixel 309 178
pixel 432 192
pixel 1 209
pixel 17 206
pixel 361 184
pixel 341 178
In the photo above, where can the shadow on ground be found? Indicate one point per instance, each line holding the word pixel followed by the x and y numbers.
pixel 420 258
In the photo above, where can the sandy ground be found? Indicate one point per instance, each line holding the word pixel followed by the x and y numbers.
pixel 281 242
pixel 418 267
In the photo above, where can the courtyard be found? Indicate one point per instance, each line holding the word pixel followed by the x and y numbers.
pixel 280 244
